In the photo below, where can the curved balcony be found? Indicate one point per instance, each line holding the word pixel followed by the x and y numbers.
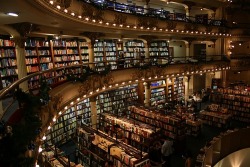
pixel 84 83
pixel 151 22
pixel 222 146
pixel 153 12
pixel 94 82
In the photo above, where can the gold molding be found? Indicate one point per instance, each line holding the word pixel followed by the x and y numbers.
pixel 92 12
pixel 171 24
pixel 148 38
pixel 95 82
pixel 92 36
pixel 64 3
pixel 56 101
pixel 147 22
pixel 120 19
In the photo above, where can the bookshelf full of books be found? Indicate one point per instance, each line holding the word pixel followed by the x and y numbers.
pixel 105 53
pixel 134 52
pixel 171 125
pixel 8 66
pixel 95 148
pixel 131 132
pixel 84 53
pixel 237 101
pixel 115 101
pixel 158 93
pixel 64 127
pixel 178 88
pixel 159 52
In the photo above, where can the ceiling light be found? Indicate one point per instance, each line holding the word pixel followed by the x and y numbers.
pixel 12 14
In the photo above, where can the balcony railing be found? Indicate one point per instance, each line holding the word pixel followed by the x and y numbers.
pixel 223 145
pixel 10 104
pixel 152 12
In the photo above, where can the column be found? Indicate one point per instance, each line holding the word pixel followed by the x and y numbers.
pixel 21 64
pixel 146 6
pixel 147 55
pixel 147 93
pixel 186 84
pixel 224 78
pixel 188 44
pixel 141 96
pixel 93 111
pixel 91 54
pixel 187 9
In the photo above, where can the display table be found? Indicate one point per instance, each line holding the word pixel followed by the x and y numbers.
pixel 216 119
pixel 193 127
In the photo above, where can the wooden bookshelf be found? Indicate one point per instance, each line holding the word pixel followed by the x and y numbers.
pixel 8 66
pixel 105 51
pixel 237 101
pixel 84 52
pixel 171 126
pixel 134 50
pixel 64 127
pixel 96 148
pixel 178 89
pixel 158 93
pixel 115 101
pixel 216 116
pixel 133 132
pixel 159 52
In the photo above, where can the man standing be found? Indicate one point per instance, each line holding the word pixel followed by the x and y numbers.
pixel 167 150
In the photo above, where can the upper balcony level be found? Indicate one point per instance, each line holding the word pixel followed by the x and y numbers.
pixel 180 18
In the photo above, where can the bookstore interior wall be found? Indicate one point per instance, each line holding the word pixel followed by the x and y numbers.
pixel 234 76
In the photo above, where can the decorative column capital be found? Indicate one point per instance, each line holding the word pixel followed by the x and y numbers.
pixel 20 41
pixel 92 36
pixel 24 28
pixel 147 2
pixel 148 38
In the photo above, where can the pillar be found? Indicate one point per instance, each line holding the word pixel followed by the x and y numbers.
pixel 21 64
pixel 141 96
pixel 209 77
pixel 224 78
pixel 188 48
pixel 191 84
pixel 147 94
pixel 146 6
pixel 93 111
pixel 187 9
pixel 91 55
pixel 186 85
pixel 147 55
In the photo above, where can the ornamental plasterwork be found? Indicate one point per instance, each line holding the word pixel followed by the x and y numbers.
pixel 158 71
pixel 171 24
pixel 209 28
pixel 107 80
pixel 56 101
pixel 146 73
pixel 91 12
pixel 191 27
pixel 94 82
pixel 148 38
pixel 192 68
pixel 85 88
pixel 120 19
pixel 64 3
pixel 138 74
pixel 147 22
